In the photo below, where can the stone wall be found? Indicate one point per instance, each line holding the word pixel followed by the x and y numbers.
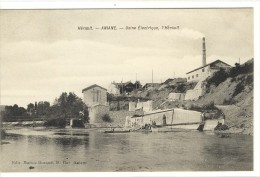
pixel 173 116
pixel 195 93
pixel 97 112
pixel 176 96
pixel 146 106
pixel 211 124
pixel 132 106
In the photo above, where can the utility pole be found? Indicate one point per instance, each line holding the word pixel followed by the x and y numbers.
pixel 136 81
pixel 152 76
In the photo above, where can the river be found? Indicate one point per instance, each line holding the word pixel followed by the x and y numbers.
pixel 92 150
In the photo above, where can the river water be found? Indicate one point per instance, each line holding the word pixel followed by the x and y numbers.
pixel 92 150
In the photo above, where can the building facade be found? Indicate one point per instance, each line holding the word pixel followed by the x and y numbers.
pixel 203 72
pixel 94 95
pixel 200 74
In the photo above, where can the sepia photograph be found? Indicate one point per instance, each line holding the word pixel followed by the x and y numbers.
pixel 127 90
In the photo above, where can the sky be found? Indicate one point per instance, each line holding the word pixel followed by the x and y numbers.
pixel 44 54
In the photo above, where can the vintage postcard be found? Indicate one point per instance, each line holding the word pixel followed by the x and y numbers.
pixel 127 90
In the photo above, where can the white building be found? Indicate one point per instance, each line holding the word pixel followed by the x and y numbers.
pixel 200 74
pixel 205 71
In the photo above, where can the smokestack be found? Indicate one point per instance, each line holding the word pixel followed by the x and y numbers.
pixel 203 52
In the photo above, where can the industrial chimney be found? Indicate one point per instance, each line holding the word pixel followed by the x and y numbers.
pixel 203 52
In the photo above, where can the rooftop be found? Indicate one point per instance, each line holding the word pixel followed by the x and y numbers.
pixel 92 86
pixel 207 65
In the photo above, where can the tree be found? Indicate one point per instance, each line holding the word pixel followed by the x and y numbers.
pixel 35 109
pixel 14 113
pixel 68 106
pixel 30 107
pixel 43 108
pixel 86 114
pixel 62 100
pixel 72 98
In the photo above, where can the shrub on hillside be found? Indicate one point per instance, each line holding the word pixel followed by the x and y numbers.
pixel 181 88
pixel 107 118
pixel 217 78
pixel 210 105
pixel 249 79
pixel 228 101
pixel 200 107
pixel 239 88
pixel 246 68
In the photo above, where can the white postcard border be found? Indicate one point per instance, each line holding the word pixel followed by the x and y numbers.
pixel 156 4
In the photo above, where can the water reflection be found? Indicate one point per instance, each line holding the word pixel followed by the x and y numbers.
pixel 70 141
pixel 173 151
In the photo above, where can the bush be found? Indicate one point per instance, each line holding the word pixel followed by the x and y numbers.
pixel 78 124
pixel 249 79
pixel 221 127
pixel 228 101
pixel 217 78
pixel 181 88
pixel 242 69
pixel 239 88
pixel 199 107
pixel 210 105
pixel 106 118
pixel 194 107
pixel 55 122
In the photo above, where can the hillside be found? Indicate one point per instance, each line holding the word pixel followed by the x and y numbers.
pixel 234 96
pixel 230 91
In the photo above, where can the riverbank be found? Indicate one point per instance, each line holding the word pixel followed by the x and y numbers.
pixel 232 114
pixel 238 119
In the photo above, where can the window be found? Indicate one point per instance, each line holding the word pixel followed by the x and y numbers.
pixel 197 75
pixel 192 76
pixel 203 69
pixel 188 78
